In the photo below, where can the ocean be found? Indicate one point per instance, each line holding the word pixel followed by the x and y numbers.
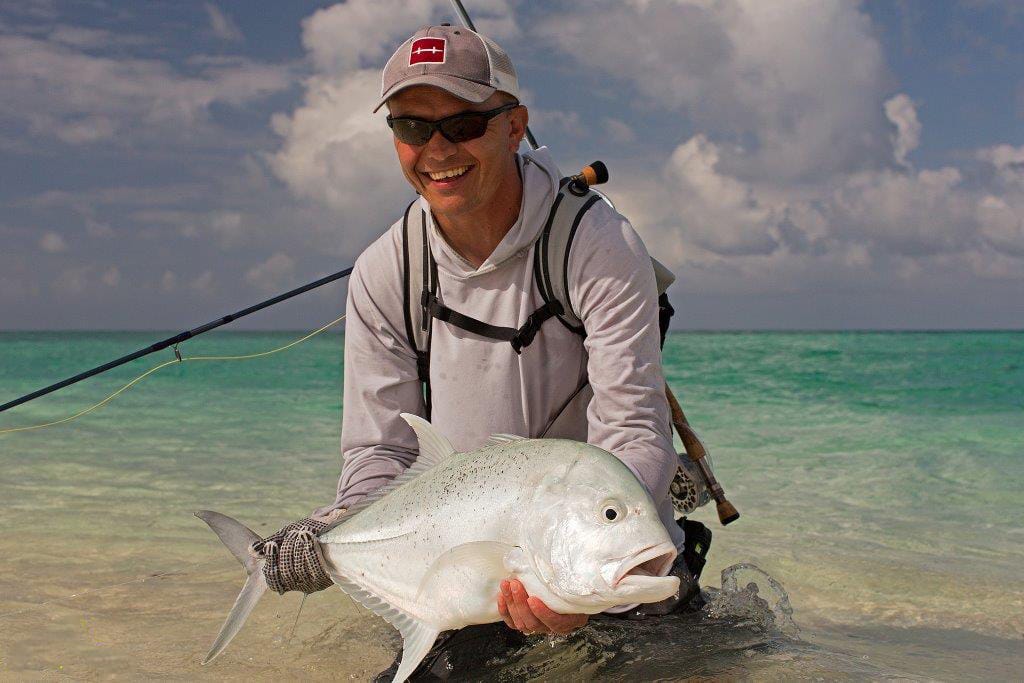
pixel 880 478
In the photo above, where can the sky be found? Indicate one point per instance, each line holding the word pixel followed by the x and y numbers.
pixel 799 164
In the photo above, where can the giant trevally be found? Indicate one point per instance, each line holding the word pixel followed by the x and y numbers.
pixel 427 552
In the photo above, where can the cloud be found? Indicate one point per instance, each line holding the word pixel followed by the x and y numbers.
pixel 97 229
pixel 619 131
pixel 59 91
pixel 337 153
pixel 222 25
pixel 900 110
pixel 805 107
pixel 273 275
pixel 52 243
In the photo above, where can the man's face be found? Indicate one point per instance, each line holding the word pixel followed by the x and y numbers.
pixel 489 161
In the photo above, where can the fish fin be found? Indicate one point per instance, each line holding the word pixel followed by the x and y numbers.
pixel 235 535
pixel 464 564
pixel 254 588
pixel 495 439
pixel 434 448
pixel 417 636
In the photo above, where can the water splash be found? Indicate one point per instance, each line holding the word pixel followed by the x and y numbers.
pixel 752 596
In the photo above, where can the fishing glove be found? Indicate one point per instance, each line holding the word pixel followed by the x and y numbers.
pixel 292 557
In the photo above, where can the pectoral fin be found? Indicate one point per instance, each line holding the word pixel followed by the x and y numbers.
pixel 417 635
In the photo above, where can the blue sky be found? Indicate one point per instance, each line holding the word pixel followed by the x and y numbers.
pixel 798 164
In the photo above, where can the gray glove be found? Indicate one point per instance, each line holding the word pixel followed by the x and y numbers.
pixel 292 557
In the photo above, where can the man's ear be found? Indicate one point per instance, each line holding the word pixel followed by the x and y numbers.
pixel 518 119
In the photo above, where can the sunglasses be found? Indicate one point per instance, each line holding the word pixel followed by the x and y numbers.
pixel 456 128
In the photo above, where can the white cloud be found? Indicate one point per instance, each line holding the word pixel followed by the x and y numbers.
pixel 52 243
pixel 619 131
pixel 1007 160
pixel 809 105
pixel 900 110
pixel 336 152
pixel 62 92
pixel 557 122
pixel 222 25
pixel 273 275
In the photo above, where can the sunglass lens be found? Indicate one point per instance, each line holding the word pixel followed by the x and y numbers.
pixel 411 131
pixel 466 127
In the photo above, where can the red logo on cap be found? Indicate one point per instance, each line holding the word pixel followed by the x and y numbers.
pixel 427 51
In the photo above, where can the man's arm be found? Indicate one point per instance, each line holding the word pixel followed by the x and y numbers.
pixel 380 379
pixel 613 290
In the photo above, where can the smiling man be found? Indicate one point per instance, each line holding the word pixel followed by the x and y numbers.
pixel 445 314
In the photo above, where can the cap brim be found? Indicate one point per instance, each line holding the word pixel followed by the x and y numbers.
pixel 469 91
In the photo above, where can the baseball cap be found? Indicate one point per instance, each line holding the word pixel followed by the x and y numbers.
pixel 465 63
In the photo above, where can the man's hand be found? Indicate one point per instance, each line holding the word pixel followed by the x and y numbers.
pixel 531 615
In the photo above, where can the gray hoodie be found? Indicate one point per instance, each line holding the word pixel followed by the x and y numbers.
pixel 480 386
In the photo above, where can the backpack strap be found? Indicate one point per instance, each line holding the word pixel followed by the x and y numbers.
pixel 419 277
pixel 551 256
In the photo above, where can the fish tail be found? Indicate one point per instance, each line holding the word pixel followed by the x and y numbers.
pixel 239 539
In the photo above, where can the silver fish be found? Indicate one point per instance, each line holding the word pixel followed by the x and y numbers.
pixel 427 552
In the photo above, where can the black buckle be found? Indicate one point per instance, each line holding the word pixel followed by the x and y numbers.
pixel 524 335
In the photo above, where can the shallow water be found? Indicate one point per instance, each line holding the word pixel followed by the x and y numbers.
pixel 879 477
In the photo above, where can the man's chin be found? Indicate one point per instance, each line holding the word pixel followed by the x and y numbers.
pixel 445 205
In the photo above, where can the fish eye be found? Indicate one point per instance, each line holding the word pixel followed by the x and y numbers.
pixel 612 511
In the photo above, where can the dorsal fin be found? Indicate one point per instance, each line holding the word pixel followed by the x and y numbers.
pixel 496 439
pixel 434 448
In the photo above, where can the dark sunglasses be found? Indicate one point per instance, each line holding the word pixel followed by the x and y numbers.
pixel 456 128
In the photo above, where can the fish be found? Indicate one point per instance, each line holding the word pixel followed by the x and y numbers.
pixel 428 551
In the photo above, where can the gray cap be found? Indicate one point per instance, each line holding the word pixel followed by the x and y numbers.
pixel 466 64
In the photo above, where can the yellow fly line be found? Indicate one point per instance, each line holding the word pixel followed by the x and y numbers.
pixel 179 359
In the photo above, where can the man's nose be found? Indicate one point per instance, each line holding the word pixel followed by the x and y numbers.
pixel 439 146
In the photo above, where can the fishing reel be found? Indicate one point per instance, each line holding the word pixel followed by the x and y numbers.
pixel 688 490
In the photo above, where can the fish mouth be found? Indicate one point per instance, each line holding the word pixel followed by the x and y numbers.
pixel 643 566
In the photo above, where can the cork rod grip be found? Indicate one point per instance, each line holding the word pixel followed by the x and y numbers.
pixel 696 451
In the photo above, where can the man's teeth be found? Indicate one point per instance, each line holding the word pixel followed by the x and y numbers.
pixel 450 173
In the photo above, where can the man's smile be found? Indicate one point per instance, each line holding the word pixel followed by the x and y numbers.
pixel 448 177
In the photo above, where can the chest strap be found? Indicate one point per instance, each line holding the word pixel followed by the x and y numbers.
pixel 519 337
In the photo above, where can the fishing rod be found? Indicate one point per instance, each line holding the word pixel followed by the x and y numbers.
pixel 177 339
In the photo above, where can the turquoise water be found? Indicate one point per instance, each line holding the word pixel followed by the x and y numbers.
pixel 879 476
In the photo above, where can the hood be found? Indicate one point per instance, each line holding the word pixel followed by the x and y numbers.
pixel 540 185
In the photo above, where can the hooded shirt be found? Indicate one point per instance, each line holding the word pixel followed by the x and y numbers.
pixel 480 386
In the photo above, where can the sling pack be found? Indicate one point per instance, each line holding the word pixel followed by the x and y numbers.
pixel 423 302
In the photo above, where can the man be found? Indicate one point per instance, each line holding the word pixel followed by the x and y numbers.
pixel 453 102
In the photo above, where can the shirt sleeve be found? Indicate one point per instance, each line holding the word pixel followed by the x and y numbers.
pixel 380 379
pixel 614 292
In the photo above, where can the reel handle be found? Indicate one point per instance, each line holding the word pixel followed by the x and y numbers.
pixel 696 451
